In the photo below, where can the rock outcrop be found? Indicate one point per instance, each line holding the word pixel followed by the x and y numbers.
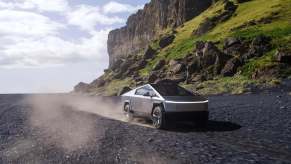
pixel 284 56
pixel 231 66
pixel 143 27
pixel 235 46
pixel 150 48
pixel 210 23
pixel 123 90
pixel 259 46
pixel 81 87
pixel 209 55
pixel 166 40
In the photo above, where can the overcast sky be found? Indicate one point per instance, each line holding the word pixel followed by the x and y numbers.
pixel 51 45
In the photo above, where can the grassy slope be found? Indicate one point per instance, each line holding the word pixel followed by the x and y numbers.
pixel 279 30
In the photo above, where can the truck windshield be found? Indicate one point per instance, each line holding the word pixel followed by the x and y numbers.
pixel 171 90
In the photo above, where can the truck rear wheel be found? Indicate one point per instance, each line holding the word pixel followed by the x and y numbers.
pixel 128 113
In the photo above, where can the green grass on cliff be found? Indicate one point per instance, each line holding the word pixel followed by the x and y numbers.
pixel 115 85
pixel 184 41
pixel 233 85
pixel 112 88
pixel 237 84
pixel 279 29
pixel 265 61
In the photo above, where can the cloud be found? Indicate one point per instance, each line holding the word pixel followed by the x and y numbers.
pixel 48 5
pixel 52 51
pixel 40 5
pixel 116 7
pixel 31 39
pixel 40 33
pixel 13 22
pixel 87 17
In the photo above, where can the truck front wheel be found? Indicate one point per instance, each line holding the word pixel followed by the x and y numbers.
pixel 158 118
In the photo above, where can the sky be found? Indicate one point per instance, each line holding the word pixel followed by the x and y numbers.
pixel 49 46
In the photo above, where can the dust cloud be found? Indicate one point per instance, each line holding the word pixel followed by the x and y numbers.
pixel 69 121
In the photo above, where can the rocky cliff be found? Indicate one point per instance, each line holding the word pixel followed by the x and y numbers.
pixel 224 46
pixel 144 26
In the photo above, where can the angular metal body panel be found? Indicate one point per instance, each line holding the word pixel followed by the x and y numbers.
pixel 186 106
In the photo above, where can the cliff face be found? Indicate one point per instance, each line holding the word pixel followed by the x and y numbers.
pixel 231 48
pixel 144 26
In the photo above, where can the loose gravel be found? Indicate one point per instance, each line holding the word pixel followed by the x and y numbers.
pixel 251 128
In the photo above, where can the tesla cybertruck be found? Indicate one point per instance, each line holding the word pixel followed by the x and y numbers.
pixel 164 102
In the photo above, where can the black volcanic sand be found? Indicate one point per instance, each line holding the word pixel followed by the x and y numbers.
pixel 252 128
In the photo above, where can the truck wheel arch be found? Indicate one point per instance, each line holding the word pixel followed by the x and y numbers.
pixel 155 104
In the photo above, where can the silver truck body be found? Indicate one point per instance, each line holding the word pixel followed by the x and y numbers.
pixel 143 99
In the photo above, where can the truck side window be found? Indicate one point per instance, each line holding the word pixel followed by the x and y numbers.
pixel 143 90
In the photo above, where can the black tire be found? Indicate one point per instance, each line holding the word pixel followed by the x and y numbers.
pixel 158 118
pixel 128 113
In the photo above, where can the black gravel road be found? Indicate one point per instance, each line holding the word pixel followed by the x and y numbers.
pixel 251 128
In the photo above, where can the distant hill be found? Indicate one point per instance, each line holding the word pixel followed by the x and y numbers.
pixel 213 47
